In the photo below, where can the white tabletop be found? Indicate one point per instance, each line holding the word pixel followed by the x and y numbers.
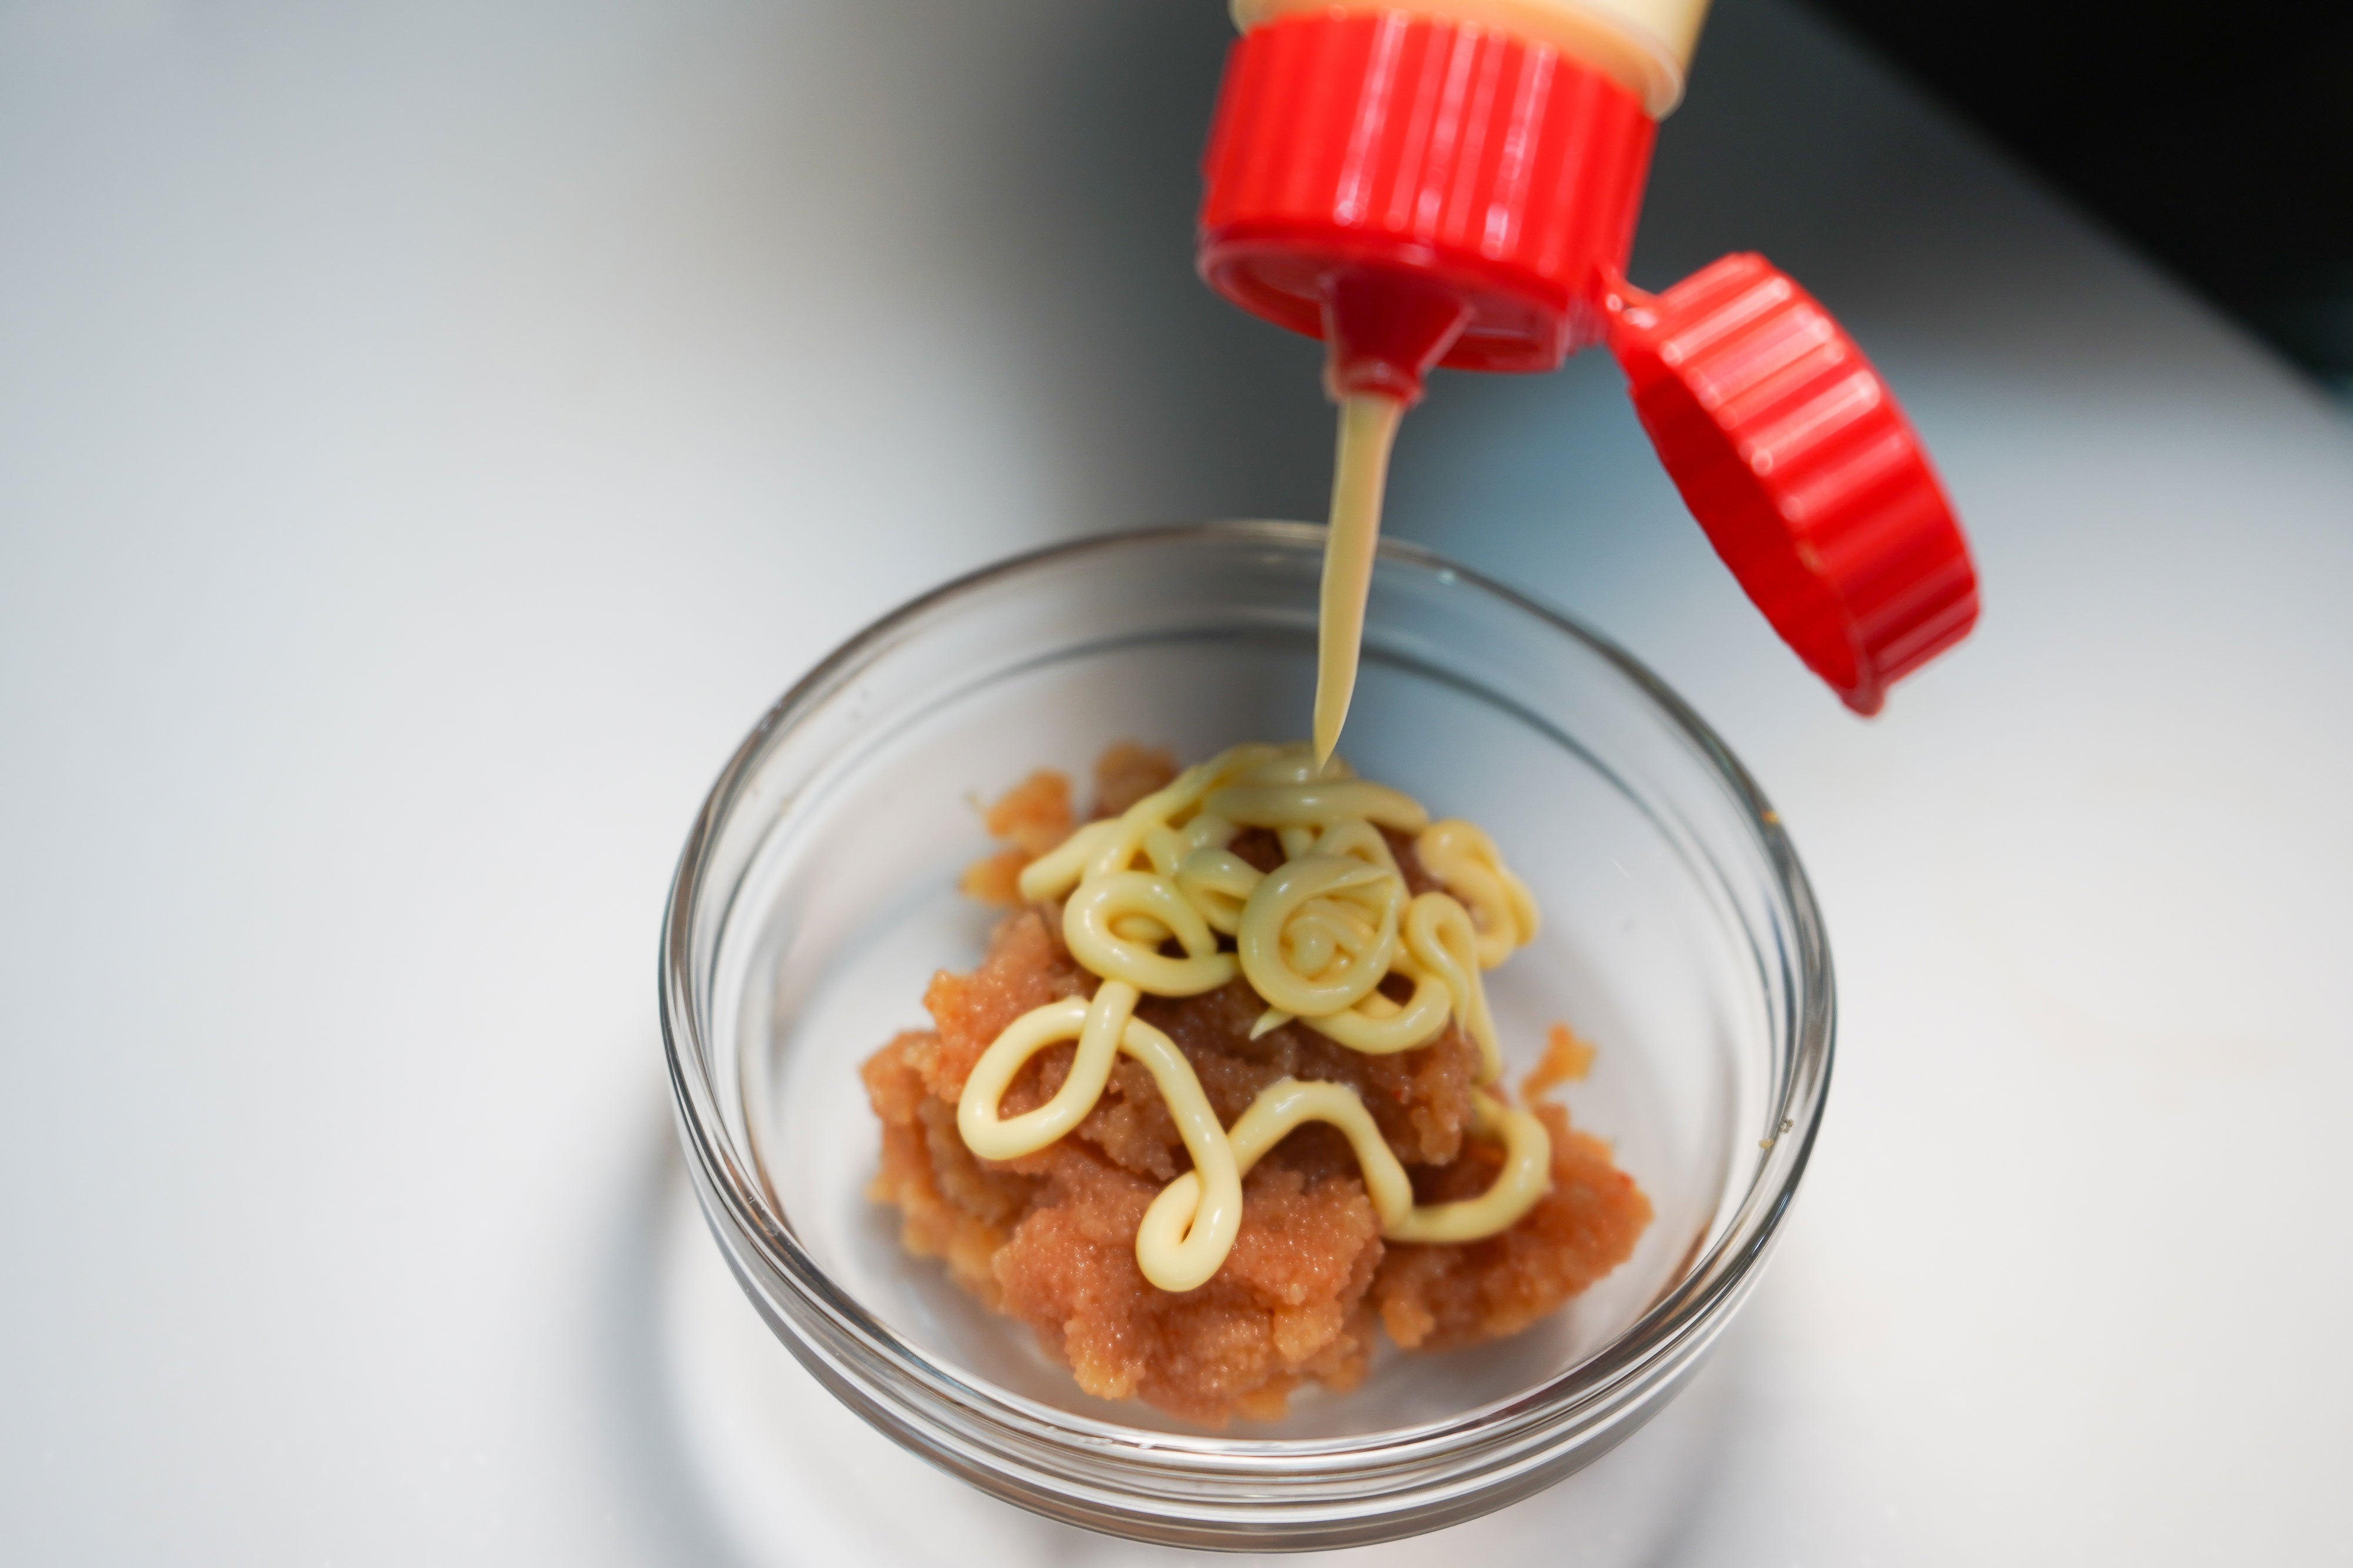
pixel 430 433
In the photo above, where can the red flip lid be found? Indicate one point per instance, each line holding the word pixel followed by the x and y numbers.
pixel 1795 459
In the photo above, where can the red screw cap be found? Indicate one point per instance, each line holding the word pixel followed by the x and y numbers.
pixel 1794 457
pixel 1455 194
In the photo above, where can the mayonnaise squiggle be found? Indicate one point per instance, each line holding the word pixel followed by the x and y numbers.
pixel 1315 938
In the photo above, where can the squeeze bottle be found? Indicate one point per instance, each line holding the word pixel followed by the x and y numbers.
pixel 1455 182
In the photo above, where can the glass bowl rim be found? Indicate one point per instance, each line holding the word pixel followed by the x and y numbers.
pixel 1681 1321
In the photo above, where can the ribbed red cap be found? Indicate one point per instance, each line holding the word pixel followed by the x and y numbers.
pixel 1432 157
pixel 1794 457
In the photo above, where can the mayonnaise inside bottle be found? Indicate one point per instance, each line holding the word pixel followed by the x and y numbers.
pixel 1644 45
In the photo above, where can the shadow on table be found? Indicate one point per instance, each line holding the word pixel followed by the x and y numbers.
pixel 671 1498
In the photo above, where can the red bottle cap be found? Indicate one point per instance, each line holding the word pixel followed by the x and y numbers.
pixel 1795 459
pixel 1397 157
pixel 1421 192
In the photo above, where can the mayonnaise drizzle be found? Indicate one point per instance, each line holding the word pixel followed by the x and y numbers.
pixel 1315 938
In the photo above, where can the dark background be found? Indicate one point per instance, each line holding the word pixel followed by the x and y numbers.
pixel 2217 138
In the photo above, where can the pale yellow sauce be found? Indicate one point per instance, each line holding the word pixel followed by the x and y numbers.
pixel 1360 472
pixel 1314 938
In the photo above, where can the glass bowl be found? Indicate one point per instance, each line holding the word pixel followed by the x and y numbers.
pixel 817 894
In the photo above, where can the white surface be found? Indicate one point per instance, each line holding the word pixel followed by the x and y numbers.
pixel 427 438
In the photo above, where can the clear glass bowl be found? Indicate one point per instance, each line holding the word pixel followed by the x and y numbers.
pixel 817 895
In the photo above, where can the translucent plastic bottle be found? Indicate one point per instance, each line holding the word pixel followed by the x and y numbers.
pixel 1456 182
pixel 1645 46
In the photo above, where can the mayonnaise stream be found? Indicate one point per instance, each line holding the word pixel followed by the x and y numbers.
pixel 1315 938
pixel 1360 473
